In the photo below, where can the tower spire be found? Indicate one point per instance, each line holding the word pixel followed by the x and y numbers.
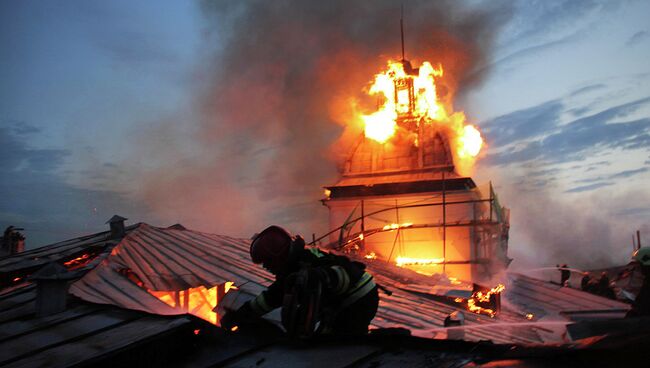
pixel 401 27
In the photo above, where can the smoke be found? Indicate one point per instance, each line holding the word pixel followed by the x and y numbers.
pixel 590 232
pixel 280 82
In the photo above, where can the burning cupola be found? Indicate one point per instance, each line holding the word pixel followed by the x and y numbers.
pixel 402 197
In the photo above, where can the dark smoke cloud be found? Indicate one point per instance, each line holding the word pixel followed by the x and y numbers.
pixel 277 91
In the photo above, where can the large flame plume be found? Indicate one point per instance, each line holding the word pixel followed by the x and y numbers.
pixel 421 104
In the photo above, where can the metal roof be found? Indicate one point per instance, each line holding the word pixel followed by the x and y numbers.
pixel 105 319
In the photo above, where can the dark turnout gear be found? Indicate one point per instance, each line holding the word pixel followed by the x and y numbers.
pixel 641 305
pixel 585 282
pixel 312 286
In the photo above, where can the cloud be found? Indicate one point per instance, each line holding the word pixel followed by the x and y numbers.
pixel 589 187
pixel 571 141
pixel 587 89
pixel 41 201
pixel 628 173
pixel 637 38
pixel 15 154
pixel 523 124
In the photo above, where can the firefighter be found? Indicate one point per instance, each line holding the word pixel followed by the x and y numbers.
pixel 349 297
pixel 641 305
pixel 585 282
pixel 565 274
pixel 604 288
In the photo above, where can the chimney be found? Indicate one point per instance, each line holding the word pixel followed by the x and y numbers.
pixel 51 288
pixel 455 319
pixel 117 226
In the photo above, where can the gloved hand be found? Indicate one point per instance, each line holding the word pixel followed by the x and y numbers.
pixel 243 315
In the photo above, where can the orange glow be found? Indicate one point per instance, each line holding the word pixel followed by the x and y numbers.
pixel 406 261
pixel 198 301
pixel 483 297
pixel 529 316
pixel 234 328
pixel 413 97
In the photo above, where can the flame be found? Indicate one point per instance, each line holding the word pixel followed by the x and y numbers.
pixel 198 301
pixel 483 297
pixel 470 142
pixel 77 262
pixel 327 193
pixel 414 97
pixel 406 261
pixel 397 226
pixel 370 255
pixel 529 316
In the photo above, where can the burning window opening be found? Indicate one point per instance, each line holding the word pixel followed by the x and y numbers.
pixel 199 301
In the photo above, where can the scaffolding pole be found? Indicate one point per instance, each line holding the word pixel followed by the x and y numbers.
pixel 444 224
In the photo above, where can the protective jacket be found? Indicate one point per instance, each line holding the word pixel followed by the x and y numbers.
pixel 348 289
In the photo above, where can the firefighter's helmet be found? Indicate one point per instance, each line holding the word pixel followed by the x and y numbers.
pixel 642 255
pixel 274 248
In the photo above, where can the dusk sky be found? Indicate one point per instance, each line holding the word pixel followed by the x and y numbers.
pixel 122 107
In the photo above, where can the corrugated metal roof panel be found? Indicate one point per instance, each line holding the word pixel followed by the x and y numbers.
pixel 166 259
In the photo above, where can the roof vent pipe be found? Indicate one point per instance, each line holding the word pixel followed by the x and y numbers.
pixel 51 289
pixel 117 226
